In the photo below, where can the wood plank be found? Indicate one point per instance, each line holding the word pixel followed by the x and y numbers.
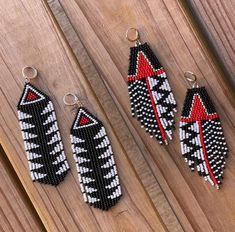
pixel 216 21
pixel 16 213
pixel 31 36
pixel 173 38
pixel 146 175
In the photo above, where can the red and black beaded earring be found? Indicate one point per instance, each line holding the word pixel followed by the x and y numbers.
pixel 42 140
pixel 201 136
pixel 152 101
pixel 94 158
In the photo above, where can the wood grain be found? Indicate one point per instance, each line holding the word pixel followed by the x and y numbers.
pixel 217 22
pixel 88 55
pixel 31 36
pixel 15 210
pixel 101 27
pixel 137 158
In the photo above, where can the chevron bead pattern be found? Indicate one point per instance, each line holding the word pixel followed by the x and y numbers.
pixel 202 141
pixel 42 141
pixel 151 98
pixel 95 163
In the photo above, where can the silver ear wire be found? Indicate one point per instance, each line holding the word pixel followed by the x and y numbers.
pixel 192 78
pixel 29 69
pixel 73 100
pixel 136 37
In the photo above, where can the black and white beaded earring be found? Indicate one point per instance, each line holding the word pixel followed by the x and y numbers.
pixel 94 158
pixel 42 141
pixel 201 136
pixel 152 101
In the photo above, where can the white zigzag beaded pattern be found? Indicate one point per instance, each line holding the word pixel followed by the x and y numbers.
pixel 77 126
pixel 151 98
pixel 202 141
pixel 95 163
pixel 23 102
pixel 42 140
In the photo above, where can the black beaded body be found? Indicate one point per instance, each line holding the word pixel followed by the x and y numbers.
pixel 202 140
pixel 41 135
pixel 152 101
pixel 95 163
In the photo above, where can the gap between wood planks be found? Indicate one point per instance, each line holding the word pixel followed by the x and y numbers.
pixel 75 12
pixel 157 195
pixel 52 204
pixel 227 77
pixel 21 193
pixel 47 6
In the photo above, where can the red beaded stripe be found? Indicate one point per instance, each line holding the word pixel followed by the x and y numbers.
pixel 198 112
pixel 208 117
pixel 155 112
pixel 154 73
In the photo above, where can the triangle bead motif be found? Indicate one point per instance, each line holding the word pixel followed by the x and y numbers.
pixel 151 99
pixel 42 140
pixel 145 69
pixel 30 95
pixel 84 119
pixel 95 163
pixel 198 111
pixel 202 141
pixel 198 107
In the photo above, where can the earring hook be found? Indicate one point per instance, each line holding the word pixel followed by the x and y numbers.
pixel 29 73
pixel 73 100
pixel 131 38
pixel 192 78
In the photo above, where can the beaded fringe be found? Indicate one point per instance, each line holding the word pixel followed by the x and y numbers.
pixel 42 140
pixel 151 98
pixel 95 163
pixel 202 141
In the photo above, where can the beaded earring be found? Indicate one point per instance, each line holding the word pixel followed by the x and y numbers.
pixel 42 140
pixel 152 101
pixel 201 135
pixel 94 158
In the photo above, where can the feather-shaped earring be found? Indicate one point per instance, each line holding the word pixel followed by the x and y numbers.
pixel 151 98
pixel 94 158
pixel 42 141
pixel 201 135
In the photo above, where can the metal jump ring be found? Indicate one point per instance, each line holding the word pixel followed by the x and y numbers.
pixel 191 77
pixel 29 69
pixel 74 100
pixel 137 36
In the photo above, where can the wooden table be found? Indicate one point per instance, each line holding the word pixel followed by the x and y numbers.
pixel 80 47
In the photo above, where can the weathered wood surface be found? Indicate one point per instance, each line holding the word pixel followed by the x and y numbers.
pixel 29 35
pixel 101 26
pixel 148 177
pixel 15 210
pixel 84 50
pixel 217 22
